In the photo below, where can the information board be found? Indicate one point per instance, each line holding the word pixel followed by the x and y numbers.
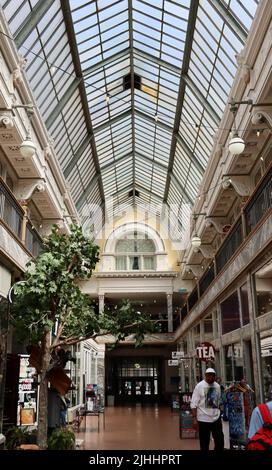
pixel 186 429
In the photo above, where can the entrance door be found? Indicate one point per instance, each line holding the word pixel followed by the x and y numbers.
pixel 137 389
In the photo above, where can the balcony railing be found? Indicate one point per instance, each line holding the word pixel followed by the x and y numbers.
pixel 260 203
pixel 255 209
pixel 206 279
pixel 10 210
pixel 13 215
pixel 229 245
pixel 193 298
pixel 33 241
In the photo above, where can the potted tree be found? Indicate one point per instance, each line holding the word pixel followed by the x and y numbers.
pixel 51 298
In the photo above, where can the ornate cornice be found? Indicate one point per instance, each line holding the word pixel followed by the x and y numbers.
pixel 143 274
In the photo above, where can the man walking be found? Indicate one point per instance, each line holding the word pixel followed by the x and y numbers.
pixel 205 406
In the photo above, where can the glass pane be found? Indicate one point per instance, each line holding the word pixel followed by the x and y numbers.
pixel 230 313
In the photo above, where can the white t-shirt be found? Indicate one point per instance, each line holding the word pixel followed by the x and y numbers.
pixel 206 398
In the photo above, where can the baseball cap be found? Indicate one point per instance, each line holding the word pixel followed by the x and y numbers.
pixel 210 371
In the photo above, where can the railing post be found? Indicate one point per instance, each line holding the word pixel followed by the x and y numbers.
pixel 244 227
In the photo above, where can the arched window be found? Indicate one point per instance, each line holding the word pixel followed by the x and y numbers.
pixel 135 252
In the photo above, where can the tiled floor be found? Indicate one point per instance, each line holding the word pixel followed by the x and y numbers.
pixel 134 428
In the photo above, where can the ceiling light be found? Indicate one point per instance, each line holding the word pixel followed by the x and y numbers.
pixel 107 98
pixel 156 117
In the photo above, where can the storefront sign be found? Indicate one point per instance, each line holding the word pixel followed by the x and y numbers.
pixel 177 354
pixel 235 350
pixel 205 351
pixel 173 362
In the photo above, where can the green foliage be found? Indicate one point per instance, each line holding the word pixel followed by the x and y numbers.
pixel 124 320
pixel 15 437
pixel 61 439
pixel 50 293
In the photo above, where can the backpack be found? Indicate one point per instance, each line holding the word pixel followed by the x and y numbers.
pixel 262 439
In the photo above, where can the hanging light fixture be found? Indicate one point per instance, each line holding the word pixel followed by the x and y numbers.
pixel 196 240
pixel 27 147
pixel 236 143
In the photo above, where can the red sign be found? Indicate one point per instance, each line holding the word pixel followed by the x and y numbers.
pixel 205 351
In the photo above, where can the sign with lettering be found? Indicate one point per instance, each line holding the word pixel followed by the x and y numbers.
pixel 205 351
pixel 177 354
pixel 173 362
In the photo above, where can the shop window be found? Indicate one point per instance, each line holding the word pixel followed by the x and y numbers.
pixel 244 304
pixel 266 359
pixel 230 313
pixel 135 253
pixel 263 289
pixel 233 362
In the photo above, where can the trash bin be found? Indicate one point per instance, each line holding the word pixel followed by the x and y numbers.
pixel 110 400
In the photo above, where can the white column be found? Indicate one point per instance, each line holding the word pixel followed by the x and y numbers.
pixel 170 312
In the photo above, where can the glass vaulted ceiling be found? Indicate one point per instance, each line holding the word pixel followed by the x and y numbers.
pixel 145 144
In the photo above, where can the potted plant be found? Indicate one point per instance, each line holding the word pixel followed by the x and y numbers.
pixel 61 439
pixel 15 437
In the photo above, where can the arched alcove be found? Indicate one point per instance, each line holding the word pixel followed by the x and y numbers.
pixel 134 247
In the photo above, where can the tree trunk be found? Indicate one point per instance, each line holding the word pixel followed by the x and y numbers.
pixel 43 394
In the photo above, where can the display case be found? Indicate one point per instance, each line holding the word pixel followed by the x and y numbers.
pixel 92 397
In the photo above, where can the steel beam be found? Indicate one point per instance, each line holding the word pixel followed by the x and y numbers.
pixel 230 19
pixel 77 155
pixel 62 102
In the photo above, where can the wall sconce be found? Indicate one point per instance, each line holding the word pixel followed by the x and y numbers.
pixel 27 147
pixel 236 143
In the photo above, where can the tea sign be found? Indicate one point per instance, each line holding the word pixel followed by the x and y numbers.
pixel 205 351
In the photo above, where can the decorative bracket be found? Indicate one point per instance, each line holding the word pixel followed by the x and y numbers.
pixel 217 222
pixel 26 188
pixel 196 269
pixel 207 251
pixel 6 120
pixel 243 185
pixel 261 116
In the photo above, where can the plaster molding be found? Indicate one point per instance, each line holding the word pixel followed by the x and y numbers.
pixel 26 188
pixel 17 77
pixel 196 269
pixel 6 120
pixel 243 185
pixel 259 116
pixel 217 222
pixel 125 229
pixel 207 251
